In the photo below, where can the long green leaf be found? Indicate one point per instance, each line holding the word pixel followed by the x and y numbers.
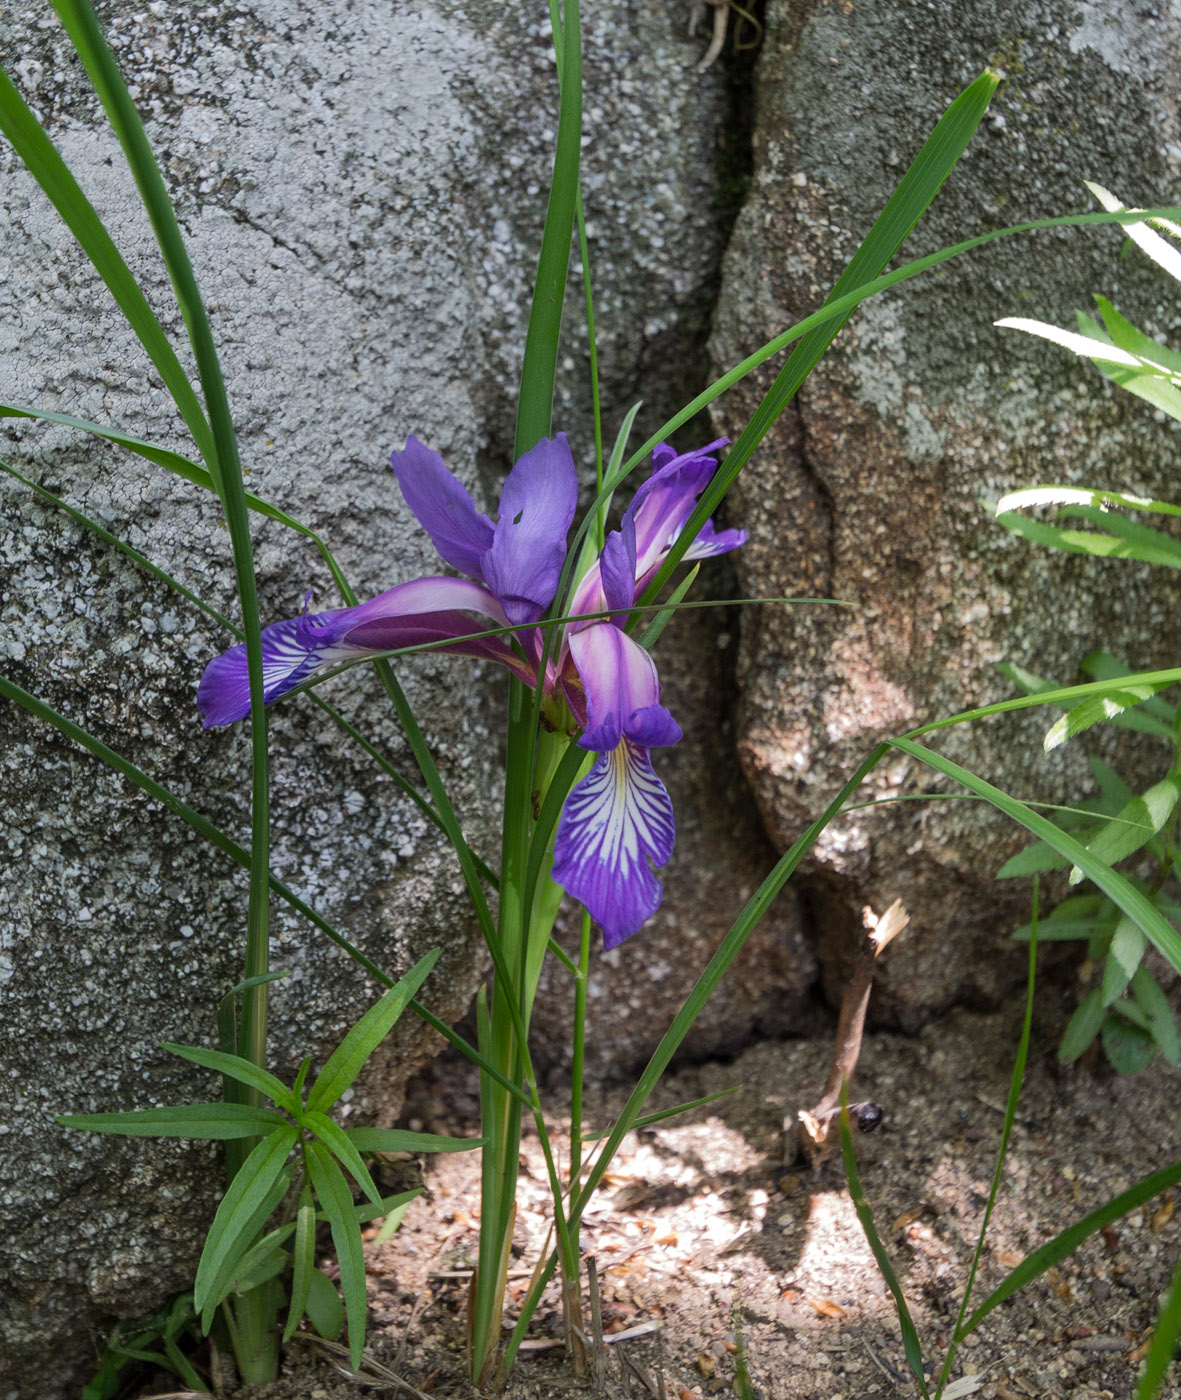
pixel 49 170
pixel 1064 1244
pixel 402 1140
pixel 343 1149
pixel 210 1121
pixel 78 18
pixel 1163 1350
pixel 910 1337
pixel 233 1225
pixel 181 466
pixel 337 1202
pixel 235 1067
pixel 347 1060
pixel 905 207
pixel 1120 891
pixel 303 1261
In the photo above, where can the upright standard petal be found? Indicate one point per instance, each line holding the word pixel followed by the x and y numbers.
pixel 524 561
pixel 616 820
pixel 664 503
pixel 460 533
pixel 424 612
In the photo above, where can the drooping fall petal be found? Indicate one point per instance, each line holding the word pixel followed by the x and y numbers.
pixel 616 820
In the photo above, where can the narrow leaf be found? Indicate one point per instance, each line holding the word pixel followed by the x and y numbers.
pixel 1123 958
pixel 1163 1350
pixel 337 1202
pixel 209 1121
pixel 248 1191
pixel 1083 1026
pixel 303 1261
pixel 235 1067
pixel 1128 1047
pixel 346 1061
pixel 1063 1245
pixel 910 1337
pixel 337 1142
pixel 323 1306
pixel 1162 1024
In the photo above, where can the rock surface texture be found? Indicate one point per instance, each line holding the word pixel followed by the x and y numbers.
pixel 362 193
pixel 876 486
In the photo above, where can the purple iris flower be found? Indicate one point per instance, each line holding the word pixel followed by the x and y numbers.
pixel 619 817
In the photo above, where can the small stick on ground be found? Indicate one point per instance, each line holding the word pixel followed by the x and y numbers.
pixel 811 1131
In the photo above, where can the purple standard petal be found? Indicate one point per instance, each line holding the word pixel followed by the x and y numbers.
pixel 425 611
pixel 528 547
pixel 443 507
pixel 665 501
pixel 617 819
pixel 622 690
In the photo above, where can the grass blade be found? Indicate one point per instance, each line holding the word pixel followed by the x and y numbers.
pixel 1163 1350
pixel 1015 1082
pixel 46 166
pixel 1065 1243
pixel 910 1337
pixel 205 828
pixel 1120 891
pixel 80 23
pixel 905 207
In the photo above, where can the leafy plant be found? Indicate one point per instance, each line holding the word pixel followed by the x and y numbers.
pixel 1127 1010
pixel 298 1164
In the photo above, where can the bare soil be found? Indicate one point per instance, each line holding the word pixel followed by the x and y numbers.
pixel 702 1230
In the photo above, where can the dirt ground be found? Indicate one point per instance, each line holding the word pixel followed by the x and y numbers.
pixel 703 1230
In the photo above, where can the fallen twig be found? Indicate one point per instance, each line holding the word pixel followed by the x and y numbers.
pixel 811 1130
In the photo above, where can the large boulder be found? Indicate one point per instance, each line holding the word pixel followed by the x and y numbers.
pixel 363 205
pixel 874 486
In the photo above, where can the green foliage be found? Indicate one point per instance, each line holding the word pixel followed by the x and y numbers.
pixel 297 1155
pixel 1127 1011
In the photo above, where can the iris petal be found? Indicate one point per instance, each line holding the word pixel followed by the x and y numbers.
pixel 423 612
pixel 528 548
pixel 616 820
pixel 443 507
pixel 622 689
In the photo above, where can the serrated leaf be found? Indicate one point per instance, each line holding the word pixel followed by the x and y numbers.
pixel 347 1060
pixel 303 1261
pixel 400 1140
pixel 1134 826
pixel 323 1307
pixel 1162 1024
pixel 336 1200
pixel 1123 958
pixel 220 1122
pixel 229 1235
pixel 235 1067
pixel 1083 1026
pixel 1128 1047
pixel 338 1143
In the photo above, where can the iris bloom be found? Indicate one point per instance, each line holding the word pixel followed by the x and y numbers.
pixel 619 817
